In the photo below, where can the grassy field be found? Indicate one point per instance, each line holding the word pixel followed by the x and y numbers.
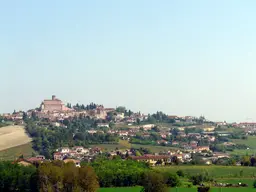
pixel 214 171
pixel 137 189
pixel 250 142
pixel 15 152
pixel 123 144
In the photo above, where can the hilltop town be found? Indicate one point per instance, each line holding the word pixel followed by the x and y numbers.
pixel 82 132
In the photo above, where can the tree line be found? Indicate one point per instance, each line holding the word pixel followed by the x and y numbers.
pixel 53 176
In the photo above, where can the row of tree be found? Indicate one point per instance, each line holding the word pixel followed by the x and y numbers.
pixel 48 177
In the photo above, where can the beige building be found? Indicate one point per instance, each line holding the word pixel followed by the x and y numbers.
pixel 54 104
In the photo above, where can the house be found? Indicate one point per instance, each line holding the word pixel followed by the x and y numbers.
pixel 173 117
pixel 218 155
pixel 120 116
pixel 64 150
pixel 148 127
pixel 162 142
pixel 23 162
pixel 186 156
pixel 103 125
pixel 175 143
pixel 153 159
pixel 76 162
pixel 123 133
pixel 56 124
pixel 202 148
pixel 31 160
pixel 92 131
pixel 209 129
pixel 58 156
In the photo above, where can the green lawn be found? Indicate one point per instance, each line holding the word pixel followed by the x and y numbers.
pixel 214 171
pixel 251 141
pixel 137 189
pixel 15 152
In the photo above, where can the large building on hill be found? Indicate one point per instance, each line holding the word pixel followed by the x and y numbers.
pixel 54 104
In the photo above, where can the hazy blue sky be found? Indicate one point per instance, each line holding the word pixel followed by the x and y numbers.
pixel 182 57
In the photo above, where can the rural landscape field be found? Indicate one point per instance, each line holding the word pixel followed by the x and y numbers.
pixel 138 189
pixel 12 136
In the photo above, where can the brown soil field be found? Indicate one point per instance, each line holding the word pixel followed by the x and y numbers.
pixel 12 136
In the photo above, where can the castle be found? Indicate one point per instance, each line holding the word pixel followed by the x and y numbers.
pixel 53 105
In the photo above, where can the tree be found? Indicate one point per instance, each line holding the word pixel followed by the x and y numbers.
pixel 153 182
pixel 245 160
pixel 138 121
pixel 151 119
pixel 253 161
pixel 25 116
pixel 87 179
pixel 70 174
pixel 120 109
pixel 172 180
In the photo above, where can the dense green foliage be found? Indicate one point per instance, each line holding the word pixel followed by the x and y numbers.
pixel 153 182
pixel 60 177
pixel 17 178
pixel 119 172
pixel 49 177
pixel 47 139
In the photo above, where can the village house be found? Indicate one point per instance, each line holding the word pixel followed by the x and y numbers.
pixel 80 150
pixel 148 127
pixel 103 125
pixel 175 143
pixel 92 131
pixel 202 148
pixel 162 142
pixel 123 133
pixel 30 161
pixel 153 159
pixel 58 156
pixel 111 132
pixel 100 112
pixel 209 129
pixel 64 150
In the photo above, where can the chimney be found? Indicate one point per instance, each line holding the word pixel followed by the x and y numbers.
pixel 53 97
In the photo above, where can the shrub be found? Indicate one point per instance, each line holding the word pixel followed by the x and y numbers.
pixel 254 184
pixel 172 180
pixel 180 173
pixel 203 189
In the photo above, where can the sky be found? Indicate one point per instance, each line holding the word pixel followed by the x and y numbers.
pixel 181 57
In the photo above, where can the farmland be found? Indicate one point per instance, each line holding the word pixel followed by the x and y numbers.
pixel 12 153
pixel 138 189
pixel 12 136
pixel 250 142
pixel 214 171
